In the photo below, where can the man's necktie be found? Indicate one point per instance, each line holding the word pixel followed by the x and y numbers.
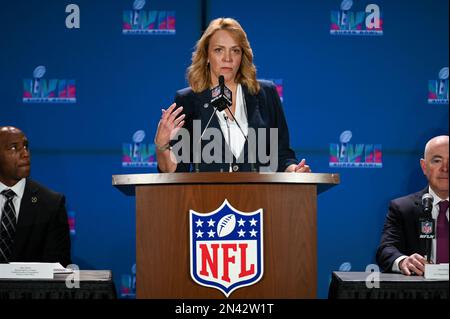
pixel 7 226
pixel 442 234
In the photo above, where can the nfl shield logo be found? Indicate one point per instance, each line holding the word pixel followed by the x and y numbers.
pixel 226 248
pixel 427 228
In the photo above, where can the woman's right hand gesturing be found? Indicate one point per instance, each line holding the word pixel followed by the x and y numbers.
pixel 170 123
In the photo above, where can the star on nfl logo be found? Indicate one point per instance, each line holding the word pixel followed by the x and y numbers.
pixel 226 248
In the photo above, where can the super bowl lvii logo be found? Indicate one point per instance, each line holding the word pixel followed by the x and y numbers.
pixel 138 154
pixel 128 284
pixel 41 90
pixel 138 21
pixel 71 219
pixel 438 89
pixel 226 248
pixel 279 86
pixel 346 22
pixel 348 155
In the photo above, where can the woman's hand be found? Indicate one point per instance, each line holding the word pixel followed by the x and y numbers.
pixel 169 124
pixel 298 168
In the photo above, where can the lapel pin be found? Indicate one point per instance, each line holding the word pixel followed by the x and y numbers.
pixel 34 199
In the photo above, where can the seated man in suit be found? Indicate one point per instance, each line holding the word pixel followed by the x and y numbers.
pixel 33 219
pixel 400 249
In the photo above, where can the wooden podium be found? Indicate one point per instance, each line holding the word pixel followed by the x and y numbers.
pixel 163 201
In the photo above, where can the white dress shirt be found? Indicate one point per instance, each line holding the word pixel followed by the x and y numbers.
pixel 434 215
pixel 19 189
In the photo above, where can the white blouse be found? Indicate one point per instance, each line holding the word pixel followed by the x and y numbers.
pixel 237 139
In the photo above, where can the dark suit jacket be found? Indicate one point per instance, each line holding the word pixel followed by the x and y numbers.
pixel 42 231
pixel 401 230
pixel 264 110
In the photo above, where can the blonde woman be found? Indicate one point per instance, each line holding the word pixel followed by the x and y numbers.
pixel 224 50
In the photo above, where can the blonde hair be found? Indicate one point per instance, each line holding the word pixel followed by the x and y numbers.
pixel 198 73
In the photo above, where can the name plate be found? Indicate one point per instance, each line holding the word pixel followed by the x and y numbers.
pixel 436 271
pixel 26 271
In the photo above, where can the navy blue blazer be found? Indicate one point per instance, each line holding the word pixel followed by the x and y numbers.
pixel 42 231
pixel 264 110
pixel 401 230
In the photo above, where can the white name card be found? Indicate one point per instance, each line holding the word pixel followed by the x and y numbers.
pixel 436 271
pixel 26 271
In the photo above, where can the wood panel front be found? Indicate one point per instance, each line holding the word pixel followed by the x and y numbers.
pixel 290 238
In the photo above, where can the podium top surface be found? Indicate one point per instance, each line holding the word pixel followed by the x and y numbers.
pixel 126 183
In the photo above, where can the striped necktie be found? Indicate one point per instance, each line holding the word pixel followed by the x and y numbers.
pixel 7 226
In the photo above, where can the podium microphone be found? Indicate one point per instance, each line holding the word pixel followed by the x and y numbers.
pixel 222 97
pixel 427 224
pixel 427 204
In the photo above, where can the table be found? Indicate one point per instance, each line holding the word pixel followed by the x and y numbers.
pixel 94 284
pixel 352 285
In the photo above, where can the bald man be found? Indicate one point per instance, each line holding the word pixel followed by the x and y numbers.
pixel 33 219
pixel 400 249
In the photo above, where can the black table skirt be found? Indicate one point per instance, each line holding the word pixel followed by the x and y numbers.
pixel 92 285
pixel 391 286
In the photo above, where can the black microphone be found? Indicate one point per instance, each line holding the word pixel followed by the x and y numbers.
pixel 221 95
pixel 427 224
pixel 427 204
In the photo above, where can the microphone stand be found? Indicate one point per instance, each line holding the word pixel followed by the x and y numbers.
pixel 223 101
pixel 428 248
pixel 427 208
pixel 229 137
pixel 196 168
pixel 429 240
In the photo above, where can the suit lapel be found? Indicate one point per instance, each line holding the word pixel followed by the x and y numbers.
pixel 254 119
pixel 251 102
pixel 205 110
pixel 27 215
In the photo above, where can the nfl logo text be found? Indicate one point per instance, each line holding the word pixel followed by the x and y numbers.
pixel 427 229
pixel 226 248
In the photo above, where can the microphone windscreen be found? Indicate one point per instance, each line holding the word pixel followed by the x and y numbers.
pixel 221 80
pixel 426 198
pixel 427 203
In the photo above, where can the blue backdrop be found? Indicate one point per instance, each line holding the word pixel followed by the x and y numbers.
pixel 376 86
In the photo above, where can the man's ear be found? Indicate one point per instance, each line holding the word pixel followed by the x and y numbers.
pixel 423 165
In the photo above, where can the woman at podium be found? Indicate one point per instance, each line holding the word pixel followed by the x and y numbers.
pixel 226 120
